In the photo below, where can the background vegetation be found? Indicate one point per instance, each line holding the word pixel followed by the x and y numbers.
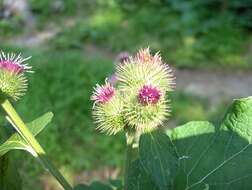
pixel 212 34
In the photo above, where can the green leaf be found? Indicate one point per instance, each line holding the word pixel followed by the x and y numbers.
pixel 82 187
pixel 198 155
pixel 9 177
pixel 239 118
pixel 100 186
pixel 158 158
pixel 95 186
pixel 15 142
pixel 139 179
pixel 216 158
pixel 116 184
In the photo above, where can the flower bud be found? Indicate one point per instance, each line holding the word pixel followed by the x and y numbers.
pixel 107 110
pixel 144 81
pixel 13 82
pixel 146 110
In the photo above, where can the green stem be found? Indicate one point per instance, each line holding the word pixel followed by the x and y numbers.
pixel 128 159
pixel 34 144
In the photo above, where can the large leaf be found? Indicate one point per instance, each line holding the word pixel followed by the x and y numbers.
pixel 116 184
pixel 199 156
pixel 16 142
pixel 158 158
pixel 96 186
pixel 82 187
pixel 139 179
pixel 216 158
pixel 9 177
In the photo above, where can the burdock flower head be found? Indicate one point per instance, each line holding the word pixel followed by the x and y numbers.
pixel 13 82
pixel 145 80
pixel 107 110
pixel 139 100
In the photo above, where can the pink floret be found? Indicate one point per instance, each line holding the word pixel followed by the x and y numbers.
pixel 149 95
pixel 11 66
pixel 103 93
pixel 113 79
pixel 123 57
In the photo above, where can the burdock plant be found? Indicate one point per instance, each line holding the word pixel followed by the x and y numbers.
pixel 134 99
pixel 13 84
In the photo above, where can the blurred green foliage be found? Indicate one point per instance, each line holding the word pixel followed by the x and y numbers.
pixel 189 33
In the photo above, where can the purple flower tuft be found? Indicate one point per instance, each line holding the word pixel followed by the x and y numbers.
pixel 103 94
pixel 123 57
pixel 148 95
pixel 13 64
pixel 144 56
pixel 11 67
pixel 113 79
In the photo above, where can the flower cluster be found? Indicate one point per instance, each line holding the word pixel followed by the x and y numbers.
pixel 136 95
pixel 13 82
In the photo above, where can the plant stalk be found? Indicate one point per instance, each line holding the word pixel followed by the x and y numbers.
pixel 34 144
pixel 128 159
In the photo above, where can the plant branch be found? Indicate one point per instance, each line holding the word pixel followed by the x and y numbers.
pixel 34 144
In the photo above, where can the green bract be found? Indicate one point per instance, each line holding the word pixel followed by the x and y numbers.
pixel 12 85
pixel 145 118
pixel 135 74
pixel 108 116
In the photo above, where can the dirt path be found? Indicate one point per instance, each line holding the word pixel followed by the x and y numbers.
pixel 215 85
